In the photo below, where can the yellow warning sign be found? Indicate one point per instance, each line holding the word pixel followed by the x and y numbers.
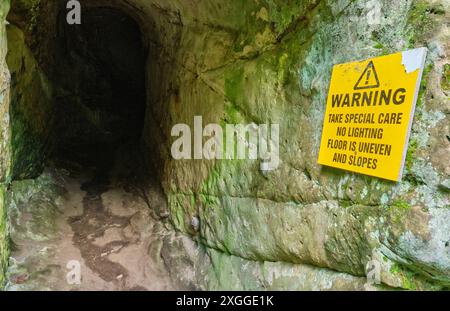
pixel 370 109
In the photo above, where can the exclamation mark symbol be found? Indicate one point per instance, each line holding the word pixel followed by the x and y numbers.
pixel 368 76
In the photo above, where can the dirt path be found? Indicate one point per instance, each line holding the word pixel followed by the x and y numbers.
pixel 108 231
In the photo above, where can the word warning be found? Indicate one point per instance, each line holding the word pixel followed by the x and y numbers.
pixel 369 114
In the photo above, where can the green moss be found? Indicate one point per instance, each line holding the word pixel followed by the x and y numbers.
pixel 413 144
pixel 283 74
pixel 378 46
pixel 30 9
pixel 182 207
pixel 421 21
pixel 411 280
pixel 395 269
pixel 401 204
pixel 234 94
pixel 346 203
pixel 4 8
pixel 177 212
pixel 36 197
pixel 232 114
pixel 412 147
pixel 397 210
pixel 27 149
pixel 4 238
pixel 384 49
pixel 406 281
pixel 30 108
pixel 209 185
pixel 34 11
pixel 424 85
pixel 209 200
pixel 283 14
pixel 234 85
pixel 445 81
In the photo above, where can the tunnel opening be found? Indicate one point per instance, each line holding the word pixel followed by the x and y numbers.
pixel 79 92
pixel 100 108
pixel 79 106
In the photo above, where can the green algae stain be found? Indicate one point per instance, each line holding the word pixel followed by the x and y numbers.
pixel 401 204
pixel 4 239
pixel 30 108
pixel 406 276
pixel 421 21
pixel 235 93
pixel 445 80
pixel 232 114
pixel 412 147
pixel 234 85
pixel 397 210
pixel 284 14
pixel 424 85
pixel 177 211
pixel 4 9
pixel 283 74
pixel 411 280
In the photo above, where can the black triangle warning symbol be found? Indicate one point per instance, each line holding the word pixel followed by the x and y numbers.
pixel 368 79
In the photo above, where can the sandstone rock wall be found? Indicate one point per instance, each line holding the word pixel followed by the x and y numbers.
pixel 270 62
pixel 4 140
pixel 31 108
pixel 25 111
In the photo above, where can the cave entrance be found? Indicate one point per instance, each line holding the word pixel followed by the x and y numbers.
pixel 84 191
pixel 101 98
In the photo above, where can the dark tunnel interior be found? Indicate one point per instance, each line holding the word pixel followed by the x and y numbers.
pixel 101 98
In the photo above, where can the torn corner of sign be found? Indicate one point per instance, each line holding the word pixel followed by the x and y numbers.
pixel 414 59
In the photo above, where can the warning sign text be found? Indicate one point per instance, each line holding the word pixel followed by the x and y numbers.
pixel 369 112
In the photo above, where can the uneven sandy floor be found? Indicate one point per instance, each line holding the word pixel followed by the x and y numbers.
pixel 105 229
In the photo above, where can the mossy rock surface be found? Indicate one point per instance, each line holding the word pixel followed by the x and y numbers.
pixel 270 61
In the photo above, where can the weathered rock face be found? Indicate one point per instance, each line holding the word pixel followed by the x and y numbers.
pixel 30 108
pixel 270 62
pixel 4 141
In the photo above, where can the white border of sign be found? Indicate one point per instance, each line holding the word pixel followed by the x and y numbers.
pixel 412 60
